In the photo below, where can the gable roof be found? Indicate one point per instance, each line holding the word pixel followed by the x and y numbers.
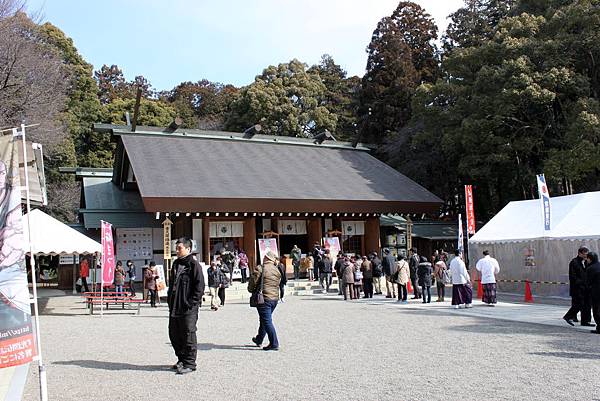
pixel 572 217
pixel 215 172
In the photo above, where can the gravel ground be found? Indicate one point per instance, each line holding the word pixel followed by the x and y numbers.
pixel 330 350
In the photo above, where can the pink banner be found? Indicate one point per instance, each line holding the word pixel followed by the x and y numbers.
pixel 108 256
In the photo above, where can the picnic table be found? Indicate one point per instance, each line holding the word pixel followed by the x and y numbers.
pixel 110 297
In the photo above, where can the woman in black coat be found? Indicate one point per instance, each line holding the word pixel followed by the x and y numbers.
pixel 593 284
pixel 424 272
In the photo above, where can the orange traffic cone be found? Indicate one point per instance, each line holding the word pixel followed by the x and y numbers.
pixel 408 287
pixel 528 295
pixel 479 289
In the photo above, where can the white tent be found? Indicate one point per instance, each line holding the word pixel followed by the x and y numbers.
pixel 52 237
pixel 516 237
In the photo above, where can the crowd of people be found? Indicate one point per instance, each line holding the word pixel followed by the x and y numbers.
pixel 358 276
pixel 364 276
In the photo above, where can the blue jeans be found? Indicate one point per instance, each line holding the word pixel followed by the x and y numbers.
pixel 118 288
pixel 265 315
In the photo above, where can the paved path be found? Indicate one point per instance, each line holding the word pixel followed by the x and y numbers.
pixel 331 350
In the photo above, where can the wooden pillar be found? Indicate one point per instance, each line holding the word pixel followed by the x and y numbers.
pixel 249 244
pixel 371 238
pixel 315 232
pixel 206 240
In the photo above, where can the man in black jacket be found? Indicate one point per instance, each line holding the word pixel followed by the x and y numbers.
pixel 413 263
pixel 593 285
pixel 186 287
pixel 580 297
pixel 325 269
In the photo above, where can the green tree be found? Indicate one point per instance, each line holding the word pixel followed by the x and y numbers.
pixel 112 85
pixel 202 104
pixel 475 22
pixel 83 107
pixel 401 56
pixel 341 95
pixel 152 112
pixel 286 100
pixel 523 102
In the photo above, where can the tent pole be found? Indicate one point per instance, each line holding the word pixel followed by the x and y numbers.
pixel 42 368
pixel 74 277
pixel 101 273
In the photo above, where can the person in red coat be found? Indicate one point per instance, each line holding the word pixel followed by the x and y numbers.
pixel 84 273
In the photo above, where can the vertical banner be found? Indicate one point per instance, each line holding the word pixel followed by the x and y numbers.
pixel 167 239
pixel 470 208
pixel 545 200
pixel 108 255
pixel 17 345
pixel 265 245
pixel 461 241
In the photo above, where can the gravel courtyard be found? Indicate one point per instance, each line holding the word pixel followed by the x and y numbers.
pixel 330 350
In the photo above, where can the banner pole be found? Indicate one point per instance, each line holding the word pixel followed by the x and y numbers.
pixel 41 367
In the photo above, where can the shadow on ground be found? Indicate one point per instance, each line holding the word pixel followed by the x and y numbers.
pixel 89 364
pixel 211 346
pixel 563 342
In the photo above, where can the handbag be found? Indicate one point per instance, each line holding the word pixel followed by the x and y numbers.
pixel 447 278
pixel 257 297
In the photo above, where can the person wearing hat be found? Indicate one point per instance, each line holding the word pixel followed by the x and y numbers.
pixel 266 278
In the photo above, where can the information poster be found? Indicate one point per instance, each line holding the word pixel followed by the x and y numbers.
pixel 265 245
pixel 134 243
pixel 161 282
pixel 333 244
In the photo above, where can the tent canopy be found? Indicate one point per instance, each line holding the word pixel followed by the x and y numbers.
pixel 51 237
pixel 572 217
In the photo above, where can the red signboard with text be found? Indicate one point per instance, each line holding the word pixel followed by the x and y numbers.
pixel 470 209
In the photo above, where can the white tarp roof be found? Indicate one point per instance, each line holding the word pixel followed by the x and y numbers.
pixel 52 237
pixel 572 217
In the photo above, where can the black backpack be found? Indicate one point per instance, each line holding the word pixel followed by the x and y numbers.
pixel 377 270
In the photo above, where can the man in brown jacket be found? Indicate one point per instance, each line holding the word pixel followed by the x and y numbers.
pixel 367 272
pixel 266 278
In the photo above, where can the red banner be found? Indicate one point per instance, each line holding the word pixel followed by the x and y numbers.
pixel 108 256
pixel 470 209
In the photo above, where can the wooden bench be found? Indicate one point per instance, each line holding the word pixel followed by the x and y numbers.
pixel 92 300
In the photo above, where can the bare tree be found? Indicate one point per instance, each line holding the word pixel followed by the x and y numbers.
pixel 33 80
pixel 8 8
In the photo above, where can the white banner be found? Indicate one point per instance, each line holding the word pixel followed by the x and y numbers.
pixel 544 200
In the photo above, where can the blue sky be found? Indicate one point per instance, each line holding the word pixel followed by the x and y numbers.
pixel 228 41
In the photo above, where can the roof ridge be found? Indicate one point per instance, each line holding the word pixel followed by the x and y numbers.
pixel 223 135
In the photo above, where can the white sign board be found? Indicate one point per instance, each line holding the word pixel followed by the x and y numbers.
pixel 66 260
pixel 134 243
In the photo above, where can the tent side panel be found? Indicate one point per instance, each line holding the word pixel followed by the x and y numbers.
pixel 535 260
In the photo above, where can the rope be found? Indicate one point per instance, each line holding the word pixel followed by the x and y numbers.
pixel 530 282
